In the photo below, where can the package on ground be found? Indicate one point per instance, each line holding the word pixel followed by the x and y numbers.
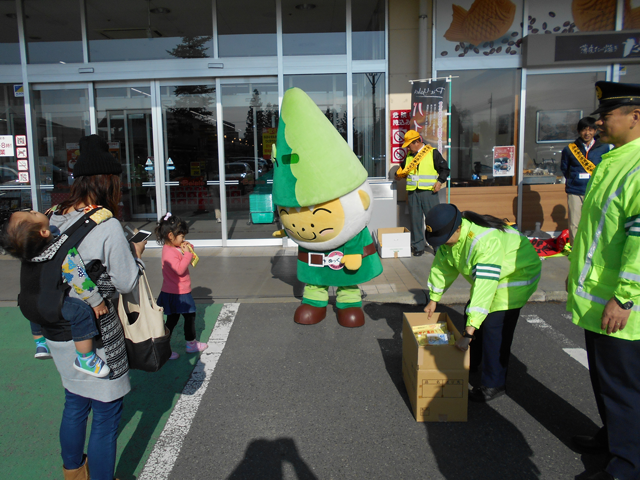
pixel 435 373
pixel 393 242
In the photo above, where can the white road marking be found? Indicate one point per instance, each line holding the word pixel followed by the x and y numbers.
pixel 167 448
pixel 569 347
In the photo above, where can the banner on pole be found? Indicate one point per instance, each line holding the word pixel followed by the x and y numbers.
pixel 429 108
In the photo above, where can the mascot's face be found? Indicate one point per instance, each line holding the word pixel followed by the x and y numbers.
pixel 330 224
pixel 315 224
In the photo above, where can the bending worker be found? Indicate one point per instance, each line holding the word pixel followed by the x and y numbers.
pixel 426 173
pixel 503 269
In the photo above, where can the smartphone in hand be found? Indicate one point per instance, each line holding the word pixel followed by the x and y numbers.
pixel 140 236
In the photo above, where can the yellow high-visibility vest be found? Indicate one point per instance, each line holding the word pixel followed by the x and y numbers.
pixel 426 175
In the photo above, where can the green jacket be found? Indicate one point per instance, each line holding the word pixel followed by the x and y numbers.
pixel 503 269
pixel 371 265
pixel 605 260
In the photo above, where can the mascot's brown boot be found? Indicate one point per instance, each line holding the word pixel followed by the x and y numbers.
pixel 309 315
pixel 81 473
pixel 351 317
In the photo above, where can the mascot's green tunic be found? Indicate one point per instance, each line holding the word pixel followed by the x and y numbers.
pixel 323 199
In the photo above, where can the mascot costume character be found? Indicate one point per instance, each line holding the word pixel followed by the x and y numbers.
pixel 323 198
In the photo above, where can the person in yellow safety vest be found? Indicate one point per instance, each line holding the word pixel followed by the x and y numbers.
pixel 426 173
pixel 503 269
pixel 604 283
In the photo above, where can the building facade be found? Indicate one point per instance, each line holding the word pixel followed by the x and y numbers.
pixel 187 94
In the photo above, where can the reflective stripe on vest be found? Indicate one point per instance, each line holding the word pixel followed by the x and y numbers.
pixel 425 177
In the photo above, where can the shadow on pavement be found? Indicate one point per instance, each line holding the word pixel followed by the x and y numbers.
pixel 285 268
pixel 264 460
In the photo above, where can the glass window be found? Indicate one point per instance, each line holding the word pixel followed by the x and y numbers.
pixel 143 31
pixel 329 92
pixel 14 195
pixel 368 29
pixel 124 121
pixel 317 28
pixel 250 115
pixel 9 40
pixel 502 35
pixel 191 157
pixel 61 118
pixel 483 109
pixel 369 121
pixel 53 32
pixel 242 35
pixel 555 104
pixel 631 74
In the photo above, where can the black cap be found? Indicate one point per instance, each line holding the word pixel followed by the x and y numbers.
pixel 95 158
pixel 613 95
pixel 441 223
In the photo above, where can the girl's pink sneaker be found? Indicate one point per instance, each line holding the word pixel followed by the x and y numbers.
pixel 195 346
pixel 174 356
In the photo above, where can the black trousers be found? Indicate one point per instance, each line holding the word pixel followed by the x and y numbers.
pixel 189 324
pixel 614 368
pixel 492 346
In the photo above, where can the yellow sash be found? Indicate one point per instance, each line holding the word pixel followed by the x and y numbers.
pixel 404 172
pixel 588 166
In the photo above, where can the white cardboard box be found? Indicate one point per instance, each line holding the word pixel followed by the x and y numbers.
pixel 393 242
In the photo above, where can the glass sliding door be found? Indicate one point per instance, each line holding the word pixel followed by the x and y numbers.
pixel 250 116
pixel 124 121
pixel 191 157
pixel 61 117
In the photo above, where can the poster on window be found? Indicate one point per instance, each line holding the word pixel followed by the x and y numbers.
pixel 429 107
pixel 399 126
pixel 478 28
pixel 504 161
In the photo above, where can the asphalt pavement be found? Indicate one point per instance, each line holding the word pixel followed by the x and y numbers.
pixel 271 399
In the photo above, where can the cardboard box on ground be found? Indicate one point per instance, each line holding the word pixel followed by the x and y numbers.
pixel 436 376
pixel 393 242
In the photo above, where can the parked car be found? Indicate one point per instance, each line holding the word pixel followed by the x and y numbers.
pixel 263 165
pixel 241 172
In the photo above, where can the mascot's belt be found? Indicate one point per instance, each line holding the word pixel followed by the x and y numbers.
pixel 314 259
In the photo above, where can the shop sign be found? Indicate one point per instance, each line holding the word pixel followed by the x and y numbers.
pixel 6 146
pixel 429 111
pixel 504 161
pixel 608 46
pixel 23 177
pixel 195 169
pixel 269 137
pixel 18 91
pixel 21 152
pixel 21 140
pixel 23 165
pixel 399 125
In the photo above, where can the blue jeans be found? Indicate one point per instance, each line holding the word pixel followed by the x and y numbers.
pixel 101 453
pixel 79 315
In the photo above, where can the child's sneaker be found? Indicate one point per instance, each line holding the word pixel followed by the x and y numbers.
pixel 195 346
pixel 42 351
pixel 92 365
pixel 174 356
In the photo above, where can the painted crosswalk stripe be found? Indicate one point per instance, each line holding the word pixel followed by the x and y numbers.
pixel 569 347
pixel 167 448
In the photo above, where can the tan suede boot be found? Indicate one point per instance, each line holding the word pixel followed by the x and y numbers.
pixel 81 473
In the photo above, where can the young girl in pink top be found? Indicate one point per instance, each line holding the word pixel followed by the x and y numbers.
pixel 175 296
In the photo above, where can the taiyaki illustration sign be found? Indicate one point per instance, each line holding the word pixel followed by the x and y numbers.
pixel 478 28
pixel 429 108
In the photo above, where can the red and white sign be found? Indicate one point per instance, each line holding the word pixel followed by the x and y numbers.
pixel 23 165
pixel 21 140
pixel 504 161
pixel 6 146
pixel 399 126
pixel 21 152
pixel 23 177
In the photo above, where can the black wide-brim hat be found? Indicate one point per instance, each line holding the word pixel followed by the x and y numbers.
pixel 95 158
pixel 441 223
pixel 613 95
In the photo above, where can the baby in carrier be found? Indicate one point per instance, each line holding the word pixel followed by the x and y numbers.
pixel 27 236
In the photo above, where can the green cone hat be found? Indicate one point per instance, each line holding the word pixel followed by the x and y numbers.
pixel 313 163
